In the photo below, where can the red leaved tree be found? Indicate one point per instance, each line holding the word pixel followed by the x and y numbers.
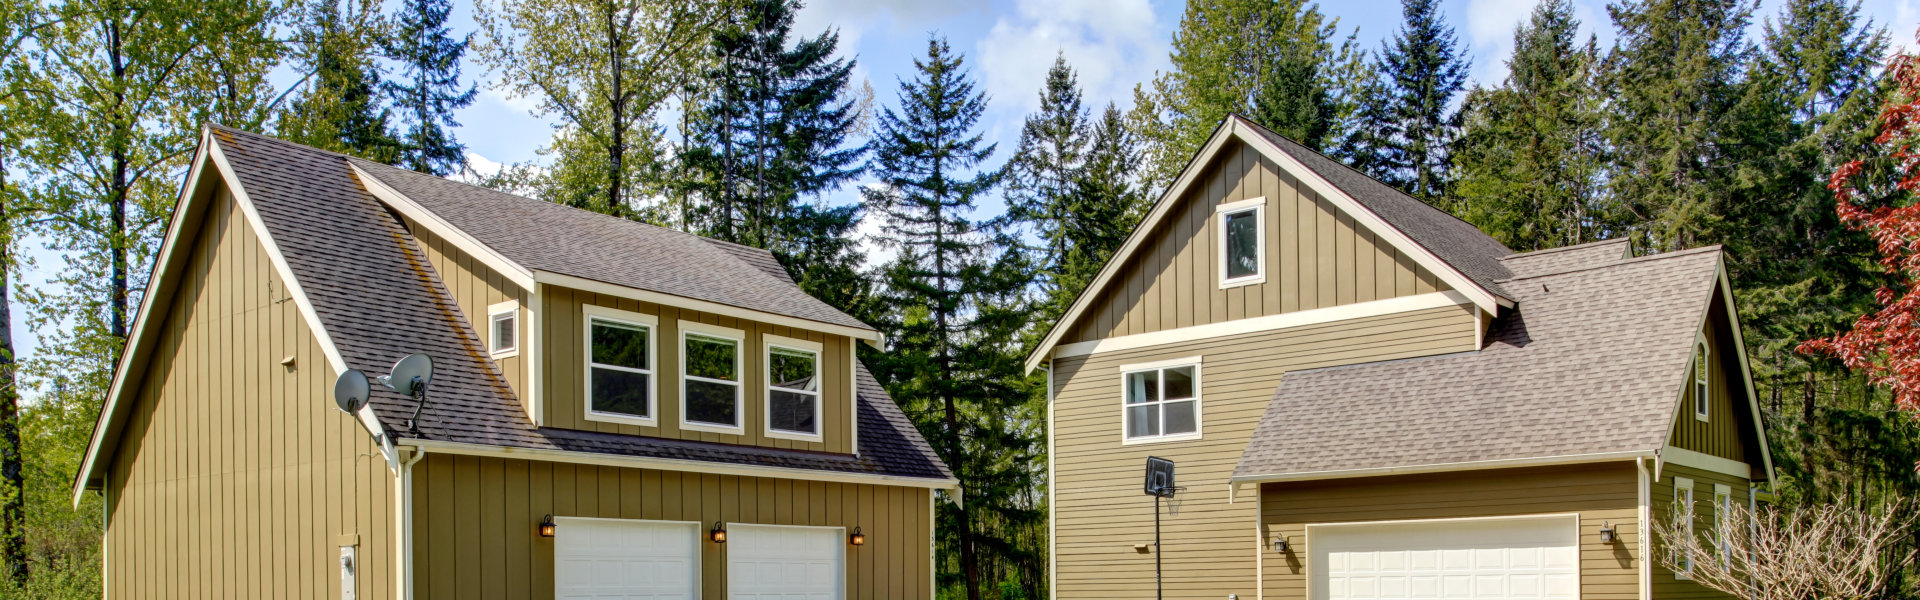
pixel 1885 345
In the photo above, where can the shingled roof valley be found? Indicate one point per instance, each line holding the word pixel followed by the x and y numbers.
pixel 379 299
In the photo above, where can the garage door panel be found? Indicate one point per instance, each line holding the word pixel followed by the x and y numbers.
pixel 767 562
pixel 607 559
pixel 1493 559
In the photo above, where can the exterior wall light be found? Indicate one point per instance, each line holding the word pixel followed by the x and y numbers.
pixel 546 526
pixel 857 539
pixel 718 534
pixel 1607 534
pixel 1280 544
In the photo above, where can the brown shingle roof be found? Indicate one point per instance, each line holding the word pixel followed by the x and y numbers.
pixel 1567 258
pixel 379 299
pixel 1591 362
pixel 560 239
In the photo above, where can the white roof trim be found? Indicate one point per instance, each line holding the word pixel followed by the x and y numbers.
pixel 1230 129
pixel 1539 461
pixel 601 287
pixel 1746 369
pixel 1274 322
pixel 682 465
pixel 519 275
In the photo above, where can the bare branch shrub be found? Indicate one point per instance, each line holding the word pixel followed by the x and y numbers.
pixel 1817 552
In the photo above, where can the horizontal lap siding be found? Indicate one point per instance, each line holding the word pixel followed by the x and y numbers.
pixel 476 517
pixel 1601 494
pixel 1665 585
pixel 474 287
pixel 1100 511
pixel 1316 257
pixel 562 343
pixel 235 476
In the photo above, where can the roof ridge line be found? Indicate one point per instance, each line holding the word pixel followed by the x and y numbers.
pixel 1636 259
pixel 1556 249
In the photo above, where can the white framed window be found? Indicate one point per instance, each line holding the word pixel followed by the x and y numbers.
pixel 1722 509
pixel 1683 499
pixel 503 329
pixel 1160 402
pixel 1242 241
pixel 621 373
pixel 1702 375
pixel 710 384
pixel 793 388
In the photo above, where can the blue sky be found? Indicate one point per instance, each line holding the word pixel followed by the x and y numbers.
pixel 1114 44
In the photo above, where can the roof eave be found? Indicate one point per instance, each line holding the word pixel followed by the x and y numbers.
pixel 684 465
pixel 1482 465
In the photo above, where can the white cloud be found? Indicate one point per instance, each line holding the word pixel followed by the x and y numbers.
pixel 1490 25
pixel 854 18
pixel 1113 44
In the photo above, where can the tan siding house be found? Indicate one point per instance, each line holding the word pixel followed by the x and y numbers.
pixel 1365 397
pixel 615 409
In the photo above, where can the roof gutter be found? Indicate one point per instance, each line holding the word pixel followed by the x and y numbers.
pixel 1505 463
pixel 671 464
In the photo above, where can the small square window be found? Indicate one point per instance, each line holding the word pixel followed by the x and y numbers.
pixel 1161 402
pixel 503 329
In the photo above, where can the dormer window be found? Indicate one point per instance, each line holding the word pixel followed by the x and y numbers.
pixel 793 388
pixel 620 357
pixel 503 329
pixel 1701 379
pixel 1242 241
pixel 710 377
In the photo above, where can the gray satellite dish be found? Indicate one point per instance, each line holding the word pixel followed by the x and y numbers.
pixel 411 375
pixel 350 391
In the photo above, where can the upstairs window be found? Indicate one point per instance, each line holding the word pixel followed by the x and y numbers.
pixel 1243 245
pixel 620 371
pixel 1701 378
pixel 1161 402
pixel 793 388
pixel 710 377
pixel 503 329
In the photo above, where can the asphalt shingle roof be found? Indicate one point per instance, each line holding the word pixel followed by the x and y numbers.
pixel 550 237
pixel 379 299
pixel 1566 258
pixel 1591 361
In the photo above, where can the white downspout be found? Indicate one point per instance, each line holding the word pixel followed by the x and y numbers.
pixel 403 523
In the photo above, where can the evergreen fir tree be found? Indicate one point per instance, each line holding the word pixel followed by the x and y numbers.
pixel 1040 178
pixel 1672 88
pixel 1104 205
pixel 960 306
pixel 1295 99
pixel 339 108
pixel 1529 161
pixel 1408 121
pixel 428 89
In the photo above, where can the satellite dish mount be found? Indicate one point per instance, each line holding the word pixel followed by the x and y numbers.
pixel 1159 484
pixel 410 378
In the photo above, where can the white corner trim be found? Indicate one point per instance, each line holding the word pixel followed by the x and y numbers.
pixel 1569 459
pixel 601 287
pixel 1053 536
pixel 1705 462
pixel 519 275
pixel 1317 316
pixel 536 412
pixel 1643 529
pixel 685 466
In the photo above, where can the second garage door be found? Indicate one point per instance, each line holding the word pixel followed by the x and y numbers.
pixel 626 559
pixel 1478 559
pixel 768 562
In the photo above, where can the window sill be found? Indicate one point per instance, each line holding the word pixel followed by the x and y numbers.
pixel 712 428
pixel 1242 282
pixel 1160 439
pixel 622 419
pixel 794 436
pixel 510 353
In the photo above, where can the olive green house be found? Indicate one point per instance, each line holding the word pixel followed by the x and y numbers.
pixel 616 410
pixel 1367 398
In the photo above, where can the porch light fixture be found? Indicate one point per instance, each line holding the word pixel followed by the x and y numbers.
pixel 718 534
pixel 1607 534
pixel 857 539
pixel 1280 544
pixel 546 526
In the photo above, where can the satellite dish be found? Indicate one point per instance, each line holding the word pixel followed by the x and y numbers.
pixel 350 391
pixel 411 375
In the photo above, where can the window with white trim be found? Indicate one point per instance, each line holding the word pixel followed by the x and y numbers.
pixel 620 366
pixel 1243 243
pixel 503 329
pixel 1684 510
pixel 1722 510
pixel 793 388
pixel 1160 402
pixel 1701 377
pixel 710 388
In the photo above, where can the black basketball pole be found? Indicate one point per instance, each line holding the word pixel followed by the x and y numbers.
pixel 1157 594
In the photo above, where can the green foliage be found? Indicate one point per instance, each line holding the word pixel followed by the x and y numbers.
pixel 428 89
pixel 1042 176
pixel 1408 120
pixel 339 107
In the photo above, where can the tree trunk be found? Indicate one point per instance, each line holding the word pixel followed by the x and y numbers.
pixel 617 148
pixel 117 192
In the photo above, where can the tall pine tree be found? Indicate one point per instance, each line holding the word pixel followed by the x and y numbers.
pixel 427 89
pixel 1102 208
pixel 339 108
pixel 1408 118
pixel 1041 176
pixel 1529 161
pixel 959 298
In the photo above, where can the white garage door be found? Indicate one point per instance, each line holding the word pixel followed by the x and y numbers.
pixel 768 562
pixel 626 559
pixel 1476 559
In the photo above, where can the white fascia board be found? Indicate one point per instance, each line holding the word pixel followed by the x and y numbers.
pixel 685 466
pixel 1317 316
pixel 519 275
pixel 601 287
pixel 1541 461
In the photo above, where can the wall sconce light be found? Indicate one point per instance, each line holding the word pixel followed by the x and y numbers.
pixel 546 526
pixel 857 539
pixel 1280 544
pixel 1607 534
pixel 718 534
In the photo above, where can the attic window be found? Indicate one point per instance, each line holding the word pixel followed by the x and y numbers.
pixel 1243 245
pixel 1701 379
pixel 503 329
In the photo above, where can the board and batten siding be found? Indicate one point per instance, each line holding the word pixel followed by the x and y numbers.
pixel 235 476
pixel 1727 431
pixel 1100 512
pixel 1665 585
pixel 1603 493
pixel 1316 257
pixel 562 343
pixel 475 519
pixel 474 286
